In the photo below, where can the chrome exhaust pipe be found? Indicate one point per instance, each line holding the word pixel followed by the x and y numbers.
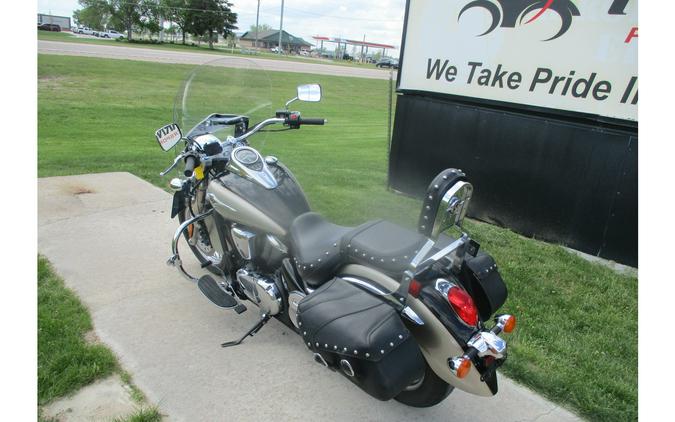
pixel 320 360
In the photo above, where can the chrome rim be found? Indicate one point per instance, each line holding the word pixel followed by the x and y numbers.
pixel 206 253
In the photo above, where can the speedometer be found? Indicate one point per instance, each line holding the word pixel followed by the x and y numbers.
pixel 246 156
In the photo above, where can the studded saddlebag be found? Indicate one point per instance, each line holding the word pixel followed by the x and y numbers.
pixel 343 322
pixel 481 279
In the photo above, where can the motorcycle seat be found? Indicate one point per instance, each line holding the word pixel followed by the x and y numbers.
pixel 321 247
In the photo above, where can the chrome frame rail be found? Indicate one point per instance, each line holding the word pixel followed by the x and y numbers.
pixel 174 260
pixel 404 309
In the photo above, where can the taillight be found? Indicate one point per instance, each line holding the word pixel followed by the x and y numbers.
pixel 462 303
pixel 415 288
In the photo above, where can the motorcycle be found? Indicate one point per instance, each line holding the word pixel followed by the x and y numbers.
pixel 405 315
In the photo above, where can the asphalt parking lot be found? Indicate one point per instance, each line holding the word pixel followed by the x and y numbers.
pixel 185 57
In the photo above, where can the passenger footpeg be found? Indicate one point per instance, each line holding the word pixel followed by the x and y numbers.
pixel 212 290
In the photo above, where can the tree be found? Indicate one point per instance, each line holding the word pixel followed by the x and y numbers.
pixel 211 17
pixel 126 14
pixel 262 27
pixel 93 14
pixel 177 11
pixel 150 16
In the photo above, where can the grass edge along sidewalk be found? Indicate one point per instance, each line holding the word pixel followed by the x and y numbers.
pixel 576 341
pixel 66 361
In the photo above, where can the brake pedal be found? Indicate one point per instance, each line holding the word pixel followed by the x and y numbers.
pixel 212 290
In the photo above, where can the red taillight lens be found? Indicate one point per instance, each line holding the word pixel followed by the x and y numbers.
pixel 462 303
pixel 415 288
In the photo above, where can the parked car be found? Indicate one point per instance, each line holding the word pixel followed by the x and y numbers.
pixel 111 33
pixel 49 27
pixel 276 50
pixel 390 63
pixel 85 31
pixel 304 53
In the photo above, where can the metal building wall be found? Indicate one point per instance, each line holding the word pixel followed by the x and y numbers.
pixel 62 21
pixel 555 178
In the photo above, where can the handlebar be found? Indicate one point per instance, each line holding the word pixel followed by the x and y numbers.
pixel 311 121
pixel 190 163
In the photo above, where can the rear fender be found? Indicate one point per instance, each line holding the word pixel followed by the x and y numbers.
pixel 436 343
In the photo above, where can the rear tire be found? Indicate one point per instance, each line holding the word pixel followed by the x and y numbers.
pixel 432 391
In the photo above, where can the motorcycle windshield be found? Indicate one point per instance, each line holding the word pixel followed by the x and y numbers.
pixel 227 85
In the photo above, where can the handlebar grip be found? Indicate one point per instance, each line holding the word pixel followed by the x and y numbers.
pixel 312 121
pixel 190 163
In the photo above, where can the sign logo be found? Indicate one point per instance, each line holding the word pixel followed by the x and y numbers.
pixel 508 13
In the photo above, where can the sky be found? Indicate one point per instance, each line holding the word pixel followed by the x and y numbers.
pixel 380 21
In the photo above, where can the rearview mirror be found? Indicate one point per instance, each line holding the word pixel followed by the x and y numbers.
pixel 168 136
pixel 309 92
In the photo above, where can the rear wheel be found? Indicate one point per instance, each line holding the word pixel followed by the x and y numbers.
pixel 427 392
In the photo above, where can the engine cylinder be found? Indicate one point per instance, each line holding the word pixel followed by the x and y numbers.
pixel 260 290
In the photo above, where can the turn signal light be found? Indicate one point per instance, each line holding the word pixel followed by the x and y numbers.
pixel 509 324
pixel 462 303
pixel 460 366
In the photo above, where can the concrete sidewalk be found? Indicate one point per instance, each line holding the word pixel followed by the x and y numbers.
pixel 109 236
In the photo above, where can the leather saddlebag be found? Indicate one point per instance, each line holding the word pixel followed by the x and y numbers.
pixel 361 336
pixel 484 283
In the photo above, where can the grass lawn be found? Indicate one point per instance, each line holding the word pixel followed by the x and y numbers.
pixel 197 48
pixel 66 362
pixel 577 337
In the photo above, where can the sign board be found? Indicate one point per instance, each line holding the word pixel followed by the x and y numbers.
pixel 576 56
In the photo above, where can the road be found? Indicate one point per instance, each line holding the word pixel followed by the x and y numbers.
pixel 108 235
pixel 185 57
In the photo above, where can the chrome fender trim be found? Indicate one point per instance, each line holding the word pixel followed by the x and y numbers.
pixel 436 343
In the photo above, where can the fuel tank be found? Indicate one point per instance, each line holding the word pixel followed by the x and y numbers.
pixel 248 203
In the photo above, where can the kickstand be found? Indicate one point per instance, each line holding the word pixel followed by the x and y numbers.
pixel 250 332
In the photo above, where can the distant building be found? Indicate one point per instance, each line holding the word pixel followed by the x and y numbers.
pixel 270 39
pixel 62 21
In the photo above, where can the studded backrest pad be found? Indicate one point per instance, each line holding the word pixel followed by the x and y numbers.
pixel 341 318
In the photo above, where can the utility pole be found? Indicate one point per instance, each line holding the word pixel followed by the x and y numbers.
pixel 281 26
pixel 363 59
pixel 161 23
pixel 257 15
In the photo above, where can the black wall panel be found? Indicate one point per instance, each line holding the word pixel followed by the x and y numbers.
pixel 556 179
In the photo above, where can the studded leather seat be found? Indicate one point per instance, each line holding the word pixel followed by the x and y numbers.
pixel 320 247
